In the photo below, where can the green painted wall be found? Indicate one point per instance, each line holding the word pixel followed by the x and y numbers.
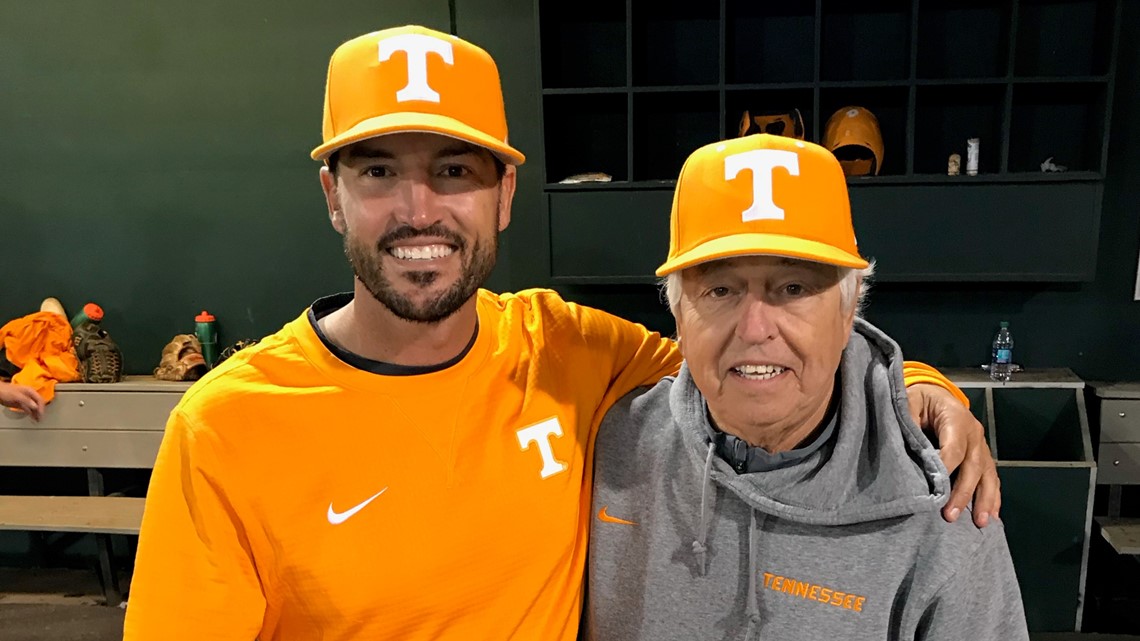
pixel 154 158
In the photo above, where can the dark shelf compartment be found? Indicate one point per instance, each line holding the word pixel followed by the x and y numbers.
pixel 675 42
pixel 761 86
pixel 888 104
pixel 565 27
pixel 633 88
pixel 1065 122
pixel 771 100
pixel 615 185
pixel 676 88
pixel 862 84
pixel 1038 425
pixel 1061 80
pixel 957 82
pixel 584 226
pixel 946 116
pixel 669 126
pixel 861 182
pixel 585 133
pixel 759 37
pixel 962 179
pixel 1045 42
pixel 963 38
pixel 564 91
pixel 917 233
pixel 867 40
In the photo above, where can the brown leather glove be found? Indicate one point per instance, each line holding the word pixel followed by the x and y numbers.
pixel 182 360
pixel 100 360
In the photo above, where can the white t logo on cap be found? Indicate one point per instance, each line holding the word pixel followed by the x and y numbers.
pixel 417 46
pixel 762 162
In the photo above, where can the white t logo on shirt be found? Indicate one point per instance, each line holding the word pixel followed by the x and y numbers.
pixel 762 162
pixel 417 47
pixel 540 434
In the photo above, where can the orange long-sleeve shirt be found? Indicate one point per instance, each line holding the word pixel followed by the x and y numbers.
pixel 40 345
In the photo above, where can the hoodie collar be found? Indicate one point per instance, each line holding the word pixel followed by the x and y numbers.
pixel 747 459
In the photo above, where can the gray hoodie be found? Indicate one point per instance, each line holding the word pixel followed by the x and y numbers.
pixel 846 543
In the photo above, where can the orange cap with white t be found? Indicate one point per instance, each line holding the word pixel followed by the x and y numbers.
pixel 414 79
pixel 761 195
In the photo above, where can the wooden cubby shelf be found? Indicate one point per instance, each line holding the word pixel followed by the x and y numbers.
pixel 630 89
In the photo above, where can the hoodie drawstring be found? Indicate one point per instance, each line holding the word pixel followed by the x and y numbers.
pixel 754 576
pixel 707 499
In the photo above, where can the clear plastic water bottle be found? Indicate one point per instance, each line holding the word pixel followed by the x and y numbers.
pixel 1001 362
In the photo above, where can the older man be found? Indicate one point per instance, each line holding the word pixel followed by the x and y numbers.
pixel 777 487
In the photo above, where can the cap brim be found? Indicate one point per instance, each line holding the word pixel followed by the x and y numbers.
pixel 761 245
pixel 422 122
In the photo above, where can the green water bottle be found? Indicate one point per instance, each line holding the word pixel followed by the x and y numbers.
pixel 91 313
pixel 206 329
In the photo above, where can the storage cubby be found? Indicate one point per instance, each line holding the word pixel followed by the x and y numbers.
pixel 632 88
pixel 675 42
pixel 1059 120
pixel 1038 424
pixel 867 40
pixel 1037 428
pixel 888 104
pixel 1047 474
pixel 978 407
pixel 963 38
pixel 1045 43
pixel 567 27
pixel 667 127
pixel 947 116
pixel 585 133
pixel 765 42
pixel 737 101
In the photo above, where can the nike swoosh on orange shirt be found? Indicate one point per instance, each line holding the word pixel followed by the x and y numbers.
pixel 603 516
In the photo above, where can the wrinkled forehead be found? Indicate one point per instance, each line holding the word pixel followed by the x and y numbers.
pixel 748 267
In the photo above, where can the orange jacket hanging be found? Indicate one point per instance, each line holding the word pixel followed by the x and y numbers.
pixel 40 345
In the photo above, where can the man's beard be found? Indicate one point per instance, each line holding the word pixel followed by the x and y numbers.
pixel 367 264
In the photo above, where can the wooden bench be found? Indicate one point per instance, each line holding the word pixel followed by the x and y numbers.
pixel 1122 534
pixel 90 426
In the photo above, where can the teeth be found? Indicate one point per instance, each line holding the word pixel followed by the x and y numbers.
pixel 426 252
pixel 760 372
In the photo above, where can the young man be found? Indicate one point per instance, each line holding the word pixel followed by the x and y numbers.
pixel 410 460
pixel 777 488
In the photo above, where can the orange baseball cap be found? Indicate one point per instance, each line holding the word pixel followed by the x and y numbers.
pixel 414 79
pixel 761 195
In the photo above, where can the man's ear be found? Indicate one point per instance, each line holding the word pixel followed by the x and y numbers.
pixel 507 195
pixel 332 201
pixel 849 320
pixel 677 331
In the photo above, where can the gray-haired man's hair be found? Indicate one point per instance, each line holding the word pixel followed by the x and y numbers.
pixel 849 279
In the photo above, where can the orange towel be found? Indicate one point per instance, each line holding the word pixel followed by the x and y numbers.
pixel 40 345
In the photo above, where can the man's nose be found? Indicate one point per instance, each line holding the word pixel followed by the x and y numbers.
pixel 417 204
pixel 757 322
